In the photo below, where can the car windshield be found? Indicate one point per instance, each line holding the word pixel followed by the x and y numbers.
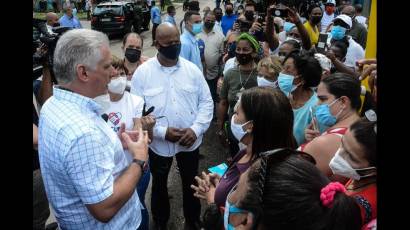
pixel 108 8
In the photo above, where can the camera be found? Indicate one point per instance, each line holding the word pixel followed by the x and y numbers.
pixel 44 40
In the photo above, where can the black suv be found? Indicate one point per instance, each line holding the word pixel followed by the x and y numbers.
pixel 120 17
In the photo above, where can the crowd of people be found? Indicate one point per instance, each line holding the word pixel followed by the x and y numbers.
pixel 291 95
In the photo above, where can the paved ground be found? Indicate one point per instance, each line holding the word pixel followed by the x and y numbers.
pixel 211 149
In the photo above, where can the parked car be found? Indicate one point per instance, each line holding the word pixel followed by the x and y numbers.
pixel 118 17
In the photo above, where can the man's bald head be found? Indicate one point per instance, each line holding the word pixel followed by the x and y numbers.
pixel 166 30
pixel 51 18
pixel 349 11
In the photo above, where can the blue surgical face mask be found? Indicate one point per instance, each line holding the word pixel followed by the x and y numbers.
pixel 338 32
pixel 287 26
pixel 230 208
pixel 196 28
pixel 285 82
pixel 324 116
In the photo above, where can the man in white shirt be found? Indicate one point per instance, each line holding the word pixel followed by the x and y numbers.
pixel 52 19
pixel 213 51
pixel 355 52
pixel 178 90
pixel 328 16
pixel 218 18
pixel 361 19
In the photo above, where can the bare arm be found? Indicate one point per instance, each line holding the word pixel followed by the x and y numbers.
pixel 270 35
pixel 294 17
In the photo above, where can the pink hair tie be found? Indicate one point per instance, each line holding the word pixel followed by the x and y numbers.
pixel 327 193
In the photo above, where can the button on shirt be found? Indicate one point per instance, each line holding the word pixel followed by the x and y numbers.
pixel 190 49
pixel 72 22
pixel 213 50
pixel 80 158
pixel 181 94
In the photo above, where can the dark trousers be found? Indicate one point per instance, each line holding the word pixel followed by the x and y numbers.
pixel 154 28
pixel 212 87
pixel 188 168
pixel 41 211
pixel 141 190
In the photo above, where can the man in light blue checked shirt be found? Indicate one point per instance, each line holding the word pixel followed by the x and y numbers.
pixel 88 180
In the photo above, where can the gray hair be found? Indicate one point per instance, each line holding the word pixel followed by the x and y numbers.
pixel 77 46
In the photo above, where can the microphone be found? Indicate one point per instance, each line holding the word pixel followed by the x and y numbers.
pixel 105 117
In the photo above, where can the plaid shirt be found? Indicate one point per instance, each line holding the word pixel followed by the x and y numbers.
pixel 80 158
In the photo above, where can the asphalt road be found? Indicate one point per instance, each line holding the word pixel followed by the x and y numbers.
pixel 212 151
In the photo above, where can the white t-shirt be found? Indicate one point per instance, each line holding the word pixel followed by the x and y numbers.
pixel 229 64
pixel 123 111
pixel 355 52
pixel 362 20
pixel 326 20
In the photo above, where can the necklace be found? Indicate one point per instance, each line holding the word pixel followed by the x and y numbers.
pixel 240 77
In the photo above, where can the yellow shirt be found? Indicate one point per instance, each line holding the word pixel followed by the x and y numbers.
pixel 313 33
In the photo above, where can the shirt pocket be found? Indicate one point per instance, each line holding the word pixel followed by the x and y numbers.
pixel 190 95
pixel 155 97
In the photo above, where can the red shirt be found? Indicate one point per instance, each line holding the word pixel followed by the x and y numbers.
pixel 367 200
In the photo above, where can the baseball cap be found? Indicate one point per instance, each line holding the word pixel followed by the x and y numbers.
pixel 346 19
pixel 328 2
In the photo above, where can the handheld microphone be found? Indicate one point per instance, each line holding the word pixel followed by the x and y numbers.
pixel 105 117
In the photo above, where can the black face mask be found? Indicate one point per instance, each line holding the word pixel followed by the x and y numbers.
pixel 229 11
pixel 243 58
pixel 316 19
pixel 170 52
pixel 249 15
pixel 218 17
pixel 57 24
pixel 132 55
pixel 209 25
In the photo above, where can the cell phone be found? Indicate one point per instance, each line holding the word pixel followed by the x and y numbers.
pixel 280 12
pixel 219 169
pixel 321 46
pixel 313 119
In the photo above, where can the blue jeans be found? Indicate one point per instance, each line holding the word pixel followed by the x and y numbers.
pixel 141 190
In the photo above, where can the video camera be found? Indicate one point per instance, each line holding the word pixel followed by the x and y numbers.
pixel 45 41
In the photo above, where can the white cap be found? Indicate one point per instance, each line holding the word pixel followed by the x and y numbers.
pixel 324 61
pixel 331 2
pixel 344 18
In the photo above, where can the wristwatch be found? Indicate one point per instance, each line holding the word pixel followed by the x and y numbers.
pixel 141 163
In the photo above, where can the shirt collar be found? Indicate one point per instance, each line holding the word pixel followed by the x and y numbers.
pixel 189 36
pixel 82 101
pixel 165 68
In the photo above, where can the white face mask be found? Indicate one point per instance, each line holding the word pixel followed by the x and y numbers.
pixel 104 101
pixel 118 85
pixel 264 82
pixel 237 129
pixel 340 166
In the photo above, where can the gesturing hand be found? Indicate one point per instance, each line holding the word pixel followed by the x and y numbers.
pixel 189 137
pixel 173 134
pixel 132 134
pixel 139 148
